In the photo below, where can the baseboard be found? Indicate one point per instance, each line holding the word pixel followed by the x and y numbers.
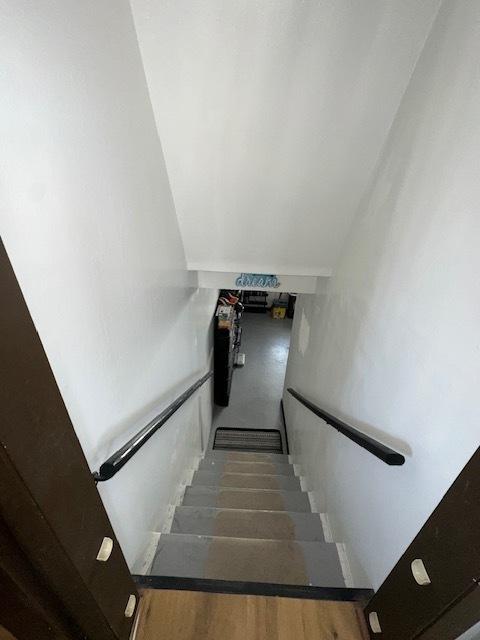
pixel 177 499
pixel 345 564
pixel 327 529
pixel 149 553
pixel 164 524
pixel 297 468
pixel 311 500
pixel 339 594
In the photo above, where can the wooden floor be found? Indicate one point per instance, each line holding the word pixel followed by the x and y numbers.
pixel 188 615
pixel 5 635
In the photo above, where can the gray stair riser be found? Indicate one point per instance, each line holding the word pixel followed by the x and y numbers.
pixel 246 480
pixel 237 523
pixel 265 468
pixel 246 456
pixel 225 498
pixel 272 561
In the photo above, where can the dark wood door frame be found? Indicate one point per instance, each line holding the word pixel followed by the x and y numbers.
pixel 49 505
pixel 460 616
pixel 448 545
pixel 27 605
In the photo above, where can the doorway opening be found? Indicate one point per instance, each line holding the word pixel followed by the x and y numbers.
pixel 256 386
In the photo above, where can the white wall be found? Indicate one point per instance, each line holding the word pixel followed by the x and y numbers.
pixel 88 221
pixel 272 114
pixel 393 345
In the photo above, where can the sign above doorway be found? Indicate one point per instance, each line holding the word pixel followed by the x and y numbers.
pixel 261 280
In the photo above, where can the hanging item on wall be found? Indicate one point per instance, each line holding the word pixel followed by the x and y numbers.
pixel 261 280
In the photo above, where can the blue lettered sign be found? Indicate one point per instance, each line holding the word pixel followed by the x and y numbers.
pixel 258 280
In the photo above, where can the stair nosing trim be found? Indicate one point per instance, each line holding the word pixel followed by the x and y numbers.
pixel 291 510
pixel 216 486
pixel 248 473
pixel 210 585
pixel 209 455
pixel 226 461
pixel 202 535
pixel 192 506
pixel 234 473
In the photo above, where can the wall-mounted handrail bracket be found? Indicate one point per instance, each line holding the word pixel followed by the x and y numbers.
pixel 381 451
pixel 116 461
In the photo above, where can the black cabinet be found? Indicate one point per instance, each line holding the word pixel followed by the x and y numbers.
pixel 227 335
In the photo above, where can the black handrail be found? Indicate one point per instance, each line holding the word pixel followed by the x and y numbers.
pixel 373 446
pixel 115 462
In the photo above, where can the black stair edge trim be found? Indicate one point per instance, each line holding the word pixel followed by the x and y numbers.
pixel 209 585
pixel 260 429
pixel 285 430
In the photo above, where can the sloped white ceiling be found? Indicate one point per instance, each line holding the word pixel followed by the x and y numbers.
pixel 272 115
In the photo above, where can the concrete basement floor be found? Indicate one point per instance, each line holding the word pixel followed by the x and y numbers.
pixel 258 386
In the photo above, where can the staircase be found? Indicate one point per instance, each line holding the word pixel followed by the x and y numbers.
pixel 245 518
